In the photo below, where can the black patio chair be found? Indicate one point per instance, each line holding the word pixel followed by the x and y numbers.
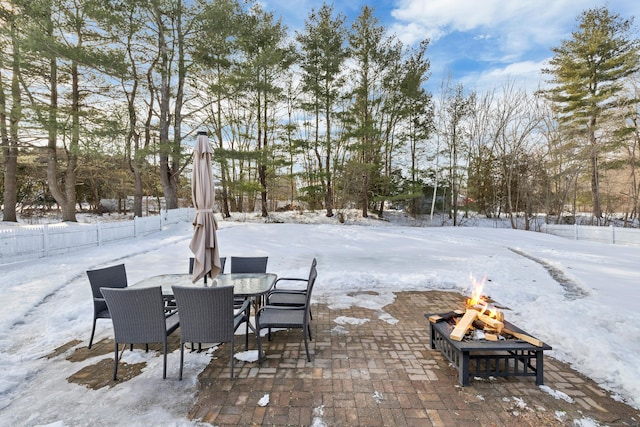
pixel 207 315
pixel 290 317
pixel 138 317
pixel 291 296
pixel 108 277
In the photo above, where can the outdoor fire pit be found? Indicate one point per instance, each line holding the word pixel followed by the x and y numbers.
pixel 480 343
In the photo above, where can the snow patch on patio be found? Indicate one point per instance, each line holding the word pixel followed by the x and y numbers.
pixel 344 320
pixel 556 393
pixel 387 318
pixel 339 330
pixel 264 400
pixel 318 412
pixel 247 356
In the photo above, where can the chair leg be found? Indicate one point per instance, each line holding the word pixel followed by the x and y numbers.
pixel 181 358
pixel 246 334
pixel 231 358
pixel 306 347
pixel 115 365
pixel 164 369
pixel 93 331
pixel 259 341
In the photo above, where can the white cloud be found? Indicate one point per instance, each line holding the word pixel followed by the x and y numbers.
pixel 467 15
pixel 482 44
pixel 412 33
pixel 483 37
pixel 515 26
pixel 526 74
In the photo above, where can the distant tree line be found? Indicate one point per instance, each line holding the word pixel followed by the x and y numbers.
pixel 103 99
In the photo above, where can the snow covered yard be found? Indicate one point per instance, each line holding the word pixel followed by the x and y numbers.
pixel 579 297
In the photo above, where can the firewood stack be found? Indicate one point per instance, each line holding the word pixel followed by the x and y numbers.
pixel 491 323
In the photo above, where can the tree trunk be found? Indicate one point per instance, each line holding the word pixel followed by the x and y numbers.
pixel 262 168
pixel 175 150
pixel 169 188
pixel 68 204
pixel 65 198
pixel 328 195
pixel 133 146
pixel 595 194
pixel 137 192
pixel 365 195
pixel 223 170
pixel 10 153
pixel 10 138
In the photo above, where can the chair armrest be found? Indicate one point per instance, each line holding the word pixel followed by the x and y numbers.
pixel 246 306
pixel 288 291
pixel 289 279
pixel 279 307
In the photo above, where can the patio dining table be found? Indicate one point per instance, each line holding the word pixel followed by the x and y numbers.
pixel 245 285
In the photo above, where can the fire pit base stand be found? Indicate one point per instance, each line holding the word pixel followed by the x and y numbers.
pixel 505 358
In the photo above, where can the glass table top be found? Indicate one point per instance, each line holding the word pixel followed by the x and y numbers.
pixel 244 284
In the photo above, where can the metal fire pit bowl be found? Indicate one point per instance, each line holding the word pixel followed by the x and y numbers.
pixel 503 358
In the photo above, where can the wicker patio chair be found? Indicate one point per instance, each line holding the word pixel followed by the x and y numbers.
pixel 291 296
pixel 139 318
pixel 109 277
pixel 223 261
pixel 249 264
pixel 207 315
pixel 290 317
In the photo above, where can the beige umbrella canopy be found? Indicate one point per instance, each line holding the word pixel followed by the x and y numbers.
pixel 204 243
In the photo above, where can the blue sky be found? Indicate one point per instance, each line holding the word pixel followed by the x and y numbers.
pixel 481 43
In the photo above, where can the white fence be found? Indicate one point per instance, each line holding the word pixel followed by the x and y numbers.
pixel 611 234
pixel 22 243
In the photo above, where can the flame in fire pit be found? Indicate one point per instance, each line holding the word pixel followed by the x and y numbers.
pixel 479 301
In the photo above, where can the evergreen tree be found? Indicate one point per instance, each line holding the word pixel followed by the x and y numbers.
pixel 588 73
pixel 414 112
pixel 322 58
pixel 10 106
pixel 370 51
pixel 215 53
pixel 265 55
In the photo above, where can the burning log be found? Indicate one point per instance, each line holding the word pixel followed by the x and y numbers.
pixel 491 312
pixel 435 318
pixel 491 323
pixel 485 318
pixel 463 325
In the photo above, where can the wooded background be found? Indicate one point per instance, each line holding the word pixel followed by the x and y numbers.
pixel 103 99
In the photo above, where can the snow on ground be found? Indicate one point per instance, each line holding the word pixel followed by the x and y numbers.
pixel 590 317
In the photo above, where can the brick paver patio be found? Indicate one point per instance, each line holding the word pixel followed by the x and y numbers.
pixel 379 372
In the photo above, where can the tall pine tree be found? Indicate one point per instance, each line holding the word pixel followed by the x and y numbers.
pixel 588 73
pixel 322 58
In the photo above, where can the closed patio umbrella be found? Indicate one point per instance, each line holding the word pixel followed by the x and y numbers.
pixel 204 243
